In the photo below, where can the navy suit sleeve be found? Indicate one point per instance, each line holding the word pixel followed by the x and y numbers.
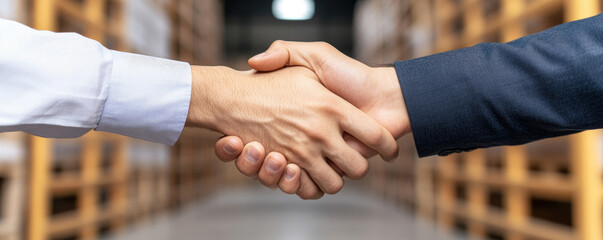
pixel 543 85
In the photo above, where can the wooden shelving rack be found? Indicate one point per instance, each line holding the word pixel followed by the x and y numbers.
pixel 549 189
pixel 12 180
pixel 197 31
pixel 86 188
pixel 78 188
pixel 149 189
pixel 193 167
pixel 196 38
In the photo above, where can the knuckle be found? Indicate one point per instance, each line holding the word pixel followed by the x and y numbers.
pixel 245 169
pixel 333 150
pixel 302 158
pixel 278 43
pixel 331 106
pixel 265 181
pixel 334 187
pixel 375 137
pixel 324 45
pixel 360 172
pixel 315 134
pixel 330 109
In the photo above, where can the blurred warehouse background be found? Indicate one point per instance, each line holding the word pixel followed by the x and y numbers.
pixel 108 186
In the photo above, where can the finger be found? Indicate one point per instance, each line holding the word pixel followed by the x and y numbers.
pixel 369 132
pixel 290 181
pixel 364 150
pixel 250 160
pixel 228 148
pixel 325 177
pixel 354 165
pixel 307 188
pixel 272 169
pixel 335 168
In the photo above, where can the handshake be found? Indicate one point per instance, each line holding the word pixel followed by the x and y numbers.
pixel 307 117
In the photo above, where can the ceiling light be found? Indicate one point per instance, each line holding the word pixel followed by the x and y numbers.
pixel 293 9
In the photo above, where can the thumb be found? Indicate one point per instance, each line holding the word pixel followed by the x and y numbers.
pixel 272 59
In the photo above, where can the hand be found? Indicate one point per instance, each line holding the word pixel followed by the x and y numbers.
pixel 289 112
pixel 375 91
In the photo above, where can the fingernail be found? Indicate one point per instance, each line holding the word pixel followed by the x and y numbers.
pixel 289 174
pixel 253 155
pixel 273 167
pixel 228 148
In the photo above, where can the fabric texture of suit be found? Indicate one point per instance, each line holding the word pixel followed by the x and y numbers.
pixel 543 85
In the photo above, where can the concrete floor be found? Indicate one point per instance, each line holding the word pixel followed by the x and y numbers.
pixel 259 213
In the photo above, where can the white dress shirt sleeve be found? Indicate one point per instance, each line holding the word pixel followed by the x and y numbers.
pixel 62 85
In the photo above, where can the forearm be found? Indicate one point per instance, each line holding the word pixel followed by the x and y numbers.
pixel 63 85
pixel 543 85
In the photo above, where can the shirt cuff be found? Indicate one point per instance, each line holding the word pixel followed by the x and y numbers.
pixel 148 98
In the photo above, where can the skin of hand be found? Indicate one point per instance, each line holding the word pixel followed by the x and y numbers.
pixel 292 114
pixel 375 91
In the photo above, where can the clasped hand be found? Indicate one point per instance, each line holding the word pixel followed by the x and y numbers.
pixel 319 115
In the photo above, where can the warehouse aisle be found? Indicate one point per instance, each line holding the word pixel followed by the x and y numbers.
pixel 258 213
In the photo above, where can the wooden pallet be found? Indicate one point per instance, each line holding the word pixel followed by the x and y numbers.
pixel 506 192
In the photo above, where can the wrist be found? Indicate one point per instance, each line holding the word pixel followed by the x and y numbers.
pixel 210 88
pixel 387 80
pixel 388 87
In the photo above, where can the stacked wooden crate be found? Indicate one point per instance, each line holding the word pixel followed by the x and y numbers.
pixel 196 38
pixel 545 190
pixel 89 187
pixel 383 35
pixel 78 188
pixel 86 188
pixel 380 27
pixel 12 180
pixel 13 10
pixel 148 179
pixel 194 167
pixel 549 189
pixel 197 31
pixel 12 155
pixel 148 27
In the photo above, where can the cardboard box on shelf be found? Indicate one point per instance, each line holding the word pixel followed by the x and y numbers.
pixel 8 9
pixel 148 28
pixel 11 147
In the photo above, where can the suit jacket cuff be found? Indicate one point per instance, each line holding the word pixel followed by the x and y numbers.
pixel 441 106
